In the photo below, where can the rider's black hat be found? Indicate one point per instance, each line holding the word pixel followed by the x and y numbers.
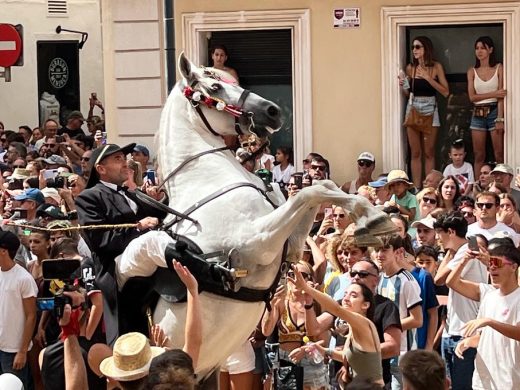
pixel 101 153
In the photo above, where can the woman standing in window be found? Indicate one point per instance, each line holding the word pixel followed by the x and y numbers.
pixel 424 78
pixel 486 92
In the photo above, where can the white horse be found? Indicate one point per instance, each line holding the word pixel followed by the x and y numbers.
pixel 240 219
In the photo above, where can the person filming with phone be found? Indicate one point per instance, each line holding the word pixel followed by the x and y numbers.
pixel 73 127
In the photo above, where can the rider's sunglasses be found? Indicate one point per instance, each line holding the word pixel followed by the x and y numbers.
pixel 417 47
pixel 318 167
pixel 483 205
pixel 361 274
pixel 497 262
pixel 364 163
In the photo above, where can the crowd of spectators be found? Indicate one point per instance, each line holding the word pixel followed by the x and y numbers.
pixel 435 304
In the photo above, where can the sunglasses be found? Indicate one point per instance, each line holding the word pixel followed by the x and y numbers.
pixel 305 275
pixel 364 163
pixel 417 47
pixel 429 200
pixel 318 167
pixel 50 145
pixel 361 274
pixel 482 205
pixel 338 215
pixel 497 262
pixel 85 158
pixel 467 213
pixel 245 145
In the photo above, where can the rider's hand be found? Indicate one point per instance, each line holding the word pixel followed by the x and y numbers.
pixel 147 223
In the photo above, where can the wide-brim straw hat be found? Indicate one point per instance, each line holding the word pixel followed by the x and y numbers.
pixel 131 358
pixel 398 175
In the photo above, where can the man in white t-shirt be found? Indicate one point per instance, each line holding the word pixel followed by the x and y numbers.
pixel 486 208
pixel 18 293
pixel 451 229
pixel 496 332
pixel 400 287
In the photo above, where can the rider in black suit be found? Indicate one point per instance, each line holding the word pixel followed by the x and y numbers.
pixel 105 202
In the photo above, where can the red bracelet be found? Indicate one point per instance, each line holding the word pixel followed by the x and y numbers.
pixel 72 328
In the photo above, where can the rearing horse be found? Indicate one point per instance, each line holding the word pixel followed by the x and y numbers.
pixel 204 106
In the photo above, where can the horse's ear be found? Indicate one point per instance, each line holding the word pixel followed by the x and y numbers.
pixel 185 67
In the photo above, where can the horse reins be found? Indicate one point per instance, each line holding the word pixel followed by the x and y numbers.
pixel 196 97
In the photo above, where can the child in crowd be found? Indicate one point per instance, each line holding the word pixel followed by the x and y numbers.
pixel 462 170
pixel 399 184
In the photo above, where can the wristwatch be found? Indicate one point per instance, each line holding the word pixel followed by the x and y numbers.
pixel 498 120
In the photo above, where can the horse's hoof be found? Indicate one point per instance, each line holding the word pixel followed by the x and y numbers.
pixel 380 225
pixel 363 238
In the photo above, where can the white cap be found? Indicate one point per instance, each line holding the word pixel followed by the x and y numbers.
pixel 427 221
pixel 367 156
pixel 10 382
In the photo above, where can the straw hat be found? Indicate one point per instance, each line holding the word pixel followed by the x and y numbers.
pixel 131 358
pixel 398 175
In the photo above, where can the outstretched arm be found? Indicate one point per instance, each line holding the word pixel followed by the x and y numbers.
pixel 193 329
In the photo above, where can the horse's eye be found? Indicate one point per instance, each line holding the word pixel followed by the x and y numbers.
pixel 216 87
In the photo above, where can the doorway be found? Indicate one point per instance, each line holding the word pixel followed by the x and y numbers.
pixel 263 61
pixel 456 56
pixel 58 79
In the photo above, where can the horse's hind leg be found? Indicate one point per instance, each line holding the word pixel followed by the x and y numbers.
pixel 211 382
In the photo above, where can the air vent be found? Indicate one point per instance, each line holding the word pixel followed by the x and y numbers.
pixel 57 8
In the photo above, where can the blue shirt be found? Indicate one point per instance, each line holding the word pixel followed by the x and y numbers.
pixel 429 300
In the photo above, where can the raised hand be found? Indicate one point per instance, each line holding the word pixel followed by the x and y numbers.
pixel 186 277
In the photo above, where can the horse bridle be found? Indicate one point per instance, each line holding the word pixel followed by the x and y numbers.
pixel 196 97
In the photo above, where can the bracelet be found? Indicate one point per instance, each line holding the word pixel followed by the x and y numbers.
pixel 328 352
pixel 499 120
pixel 308 307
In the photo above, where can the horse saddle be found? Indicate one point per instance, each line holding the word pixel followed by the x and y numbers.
pixel 211 276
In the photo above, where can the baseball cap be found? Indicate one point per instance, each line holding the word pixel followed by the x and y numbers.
pixel 366 156
pixel 143 149
pixel 76 115
pixel 427 221
pixel 49 210
pixel 9 241
pixel 33 194
pixel 55 160
pixel 101 153
pixel 51 193
pixel 380 182
pixel 503 168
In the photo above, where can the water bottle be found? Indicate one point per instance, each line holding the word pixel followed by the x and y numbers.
pixel 312 351
pixel 402 76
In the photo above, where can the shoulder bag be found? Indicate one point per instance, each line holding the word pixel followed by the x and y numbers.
pixel 419 122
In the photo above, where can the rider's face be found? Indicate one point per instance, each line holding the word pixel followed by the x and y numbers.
pixel 113 169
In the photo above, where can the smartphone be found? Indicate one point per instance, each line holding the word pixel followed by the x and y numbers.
pixel 328 212
pixel 45 304
pixel 298 181
pixel 60 139
pixel 473 244
pixel 150 176
pixel 19 214
pixel 62 269
pixel 103 138
pixel 50 173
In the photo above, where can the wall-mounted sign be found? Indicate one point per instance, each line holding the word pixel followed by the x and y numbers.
pixel 347 17
pixel 58 73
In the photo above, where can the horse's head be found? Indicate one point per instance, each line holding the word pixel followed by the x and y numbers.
pixel 229 109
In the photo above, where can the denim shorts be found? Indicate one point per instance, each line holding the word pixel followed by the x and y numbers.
pixel 314 375
pixel 484 124
pixel 426 105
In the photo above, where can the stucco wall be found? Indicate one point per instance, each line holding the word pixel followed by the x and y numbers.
pixel 346 73
pixel 18 98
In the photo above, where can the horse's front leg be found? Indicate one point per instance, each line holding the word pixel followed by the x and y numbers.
pixel 297 214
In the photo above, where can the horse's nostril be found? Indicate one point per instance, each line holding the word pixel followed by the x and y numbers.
pixel 273 111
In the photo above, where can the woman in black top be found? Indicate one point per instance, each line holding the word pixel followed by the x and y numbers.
pixel 424 78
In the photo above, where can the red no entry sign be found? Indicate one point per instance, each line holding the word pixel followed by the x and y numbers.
pixel 10 45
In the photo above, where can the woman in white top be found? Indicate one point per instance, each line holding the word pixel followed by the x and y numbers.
pixel 263 160
pixel 283 171
pixel 486 91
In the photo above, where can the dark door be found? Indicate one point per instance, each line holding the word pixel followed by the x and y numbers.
pixel 263 61
pixel 58 74
pixel 454 49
